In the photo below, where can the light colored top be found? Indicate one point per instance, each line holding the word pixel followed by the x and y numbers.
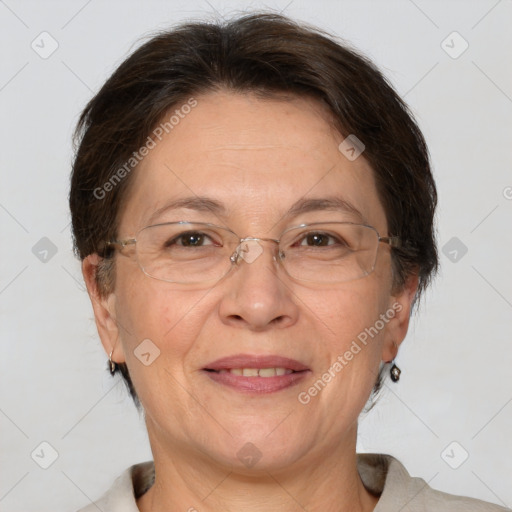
pixel 382 475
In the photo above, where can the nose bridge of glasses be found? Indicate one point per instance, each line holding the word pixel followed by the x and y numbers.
pixel 250 249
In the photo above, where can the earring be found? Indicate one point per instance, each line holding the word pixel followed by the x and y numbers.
pixel 395 372
pixel 113 364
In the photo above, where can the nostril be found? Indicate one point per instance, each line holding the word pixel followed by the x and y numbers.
pixel 278 320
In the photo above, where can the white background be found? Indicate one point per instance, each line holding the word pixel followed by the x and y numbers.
pixel 456 383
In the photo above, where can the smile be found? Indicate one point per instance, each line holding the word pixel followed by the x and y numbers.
pixel 256 374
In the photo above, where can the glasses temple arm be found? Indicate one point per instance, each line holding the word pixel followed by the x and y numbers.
pixel 393 241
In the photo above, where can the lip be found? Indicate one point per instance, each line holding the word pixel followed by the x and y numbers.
pixel 248 361
pixel 257 385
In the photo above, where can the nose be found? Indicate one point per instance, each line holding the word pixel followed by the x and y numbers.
pixel 257 295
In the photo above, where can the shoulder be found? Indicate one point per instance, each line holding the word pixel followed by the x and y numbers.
pixel 122 495
pixel 386 476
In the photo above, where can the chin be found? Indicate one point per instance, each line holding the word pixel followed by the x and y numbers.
pixel 255 451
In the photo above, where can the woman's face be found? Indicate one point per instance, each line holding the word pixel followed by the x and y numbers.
pixel 256 159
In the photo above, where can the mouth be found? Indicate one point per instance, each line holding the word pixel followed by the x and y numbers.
pixel 256 374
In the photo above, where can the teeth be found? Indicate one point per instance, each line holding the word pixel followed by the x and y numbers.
pixel 250 372
pixel 258 372
pixel 267 372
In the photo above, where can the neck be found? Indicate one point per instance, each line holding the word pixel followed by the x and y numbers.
pixel 327 482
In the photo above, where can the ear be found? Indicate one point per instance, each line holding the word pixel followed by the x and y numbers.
pixel 401 303
pixel 104 310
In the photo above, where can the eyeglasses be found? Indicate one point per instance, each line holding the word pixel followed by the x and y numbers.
pixel 195 252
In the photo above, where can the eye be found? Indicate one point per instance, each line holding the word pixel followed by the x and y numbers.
pixel 318 239
pixel 191 239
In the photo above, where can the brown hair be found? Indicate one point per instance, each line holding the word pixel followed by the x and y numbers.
pixel 267 55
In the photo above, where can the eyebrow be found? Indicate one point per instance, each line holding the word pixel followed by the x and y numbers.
pixel 198 203
pixel 209 205
pixel 332 203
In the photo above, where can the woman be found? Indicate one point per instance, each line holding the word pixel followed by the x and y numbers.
pixel 253 205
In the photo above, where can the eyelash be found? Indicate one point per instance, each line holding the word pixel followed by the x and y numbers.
pixel 181 236
pixel 299 241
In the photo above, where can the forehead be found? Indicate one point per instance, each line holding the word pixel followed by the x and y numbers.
pixel 256 157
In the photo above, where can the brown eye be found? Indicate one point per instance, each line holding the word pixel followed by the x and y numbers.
pixel 317 239
pixel 190 239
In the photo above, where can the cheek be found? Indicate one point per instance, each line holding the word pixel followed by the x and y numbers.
pixel 152 310
pixel 162 327
pixel 353 330
pixel 347 311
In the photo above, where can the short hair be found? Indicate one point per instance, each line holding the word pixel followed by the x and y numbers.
pixel 268 55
